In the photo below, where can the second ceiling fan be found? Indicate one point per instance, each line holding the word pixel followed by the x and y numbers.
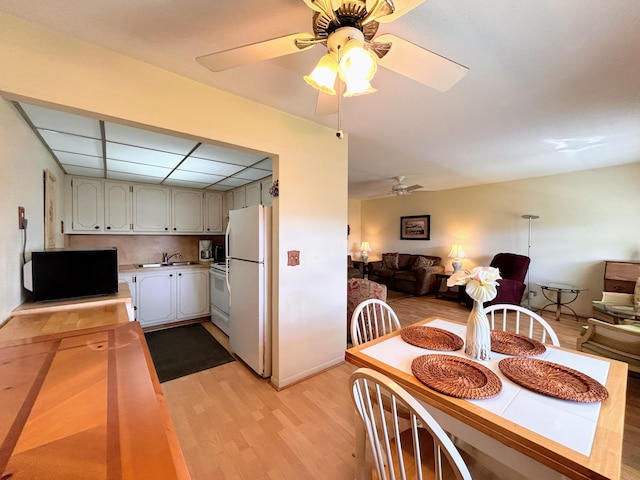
pixel 347 28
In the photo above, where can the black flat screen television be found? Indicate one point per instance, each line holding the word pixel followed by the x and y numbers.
pixel 71 273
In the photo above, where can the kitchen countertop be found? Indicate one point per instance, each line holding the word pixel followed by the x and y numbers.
pixel 134 268
pixel 80 398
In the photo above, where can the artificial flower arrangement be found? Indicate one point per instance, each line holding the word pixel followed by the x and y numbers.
pixel 481 285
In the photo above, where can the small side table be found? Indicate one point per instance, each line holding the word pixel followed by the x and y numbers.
pixel 451 293
pixel 559 301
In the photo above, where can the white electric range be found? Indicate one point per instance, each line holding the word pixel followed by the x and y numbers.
pixel 219 297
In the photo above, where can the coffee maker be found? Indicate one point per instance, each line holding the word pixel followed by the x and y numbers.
pixel 205 250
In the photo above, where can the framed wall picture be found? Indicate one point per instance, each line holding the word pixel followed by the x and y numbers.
pixel 416 227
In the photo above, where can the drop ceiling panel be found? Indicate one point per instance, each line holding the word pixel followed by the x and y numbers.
pixel 79 160
pixel 118 151
pixel 209 166
pixel 195 177
pixel 232 182
pixel 62 122
pixel 182 183
pixel 252 174
pixel 72 143
pixel 143 138
pixel 137 155
pixel 213 152
pixel 84 171
pixel 137 168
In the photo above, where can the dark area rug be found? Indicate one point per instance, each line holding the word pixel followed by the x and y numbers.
pixel 181 351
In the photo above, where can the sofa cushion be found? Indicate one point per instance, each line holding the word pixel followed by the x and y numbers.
pixel 383 272
pixel 405 260
pixel 390 261
pixel 421 262
pixel 405 275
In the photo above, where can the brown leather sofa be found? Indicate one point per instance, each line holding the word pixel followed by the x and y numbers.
pixel 406 275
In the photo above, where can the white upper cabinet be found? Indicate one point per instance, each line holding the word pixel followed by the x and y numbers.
pixel 187 211
pixel 117 207
pixel 213 222
pixel 266 196
pixel 253 195
pixel 87 205
pixel 151 207
pixel 239 198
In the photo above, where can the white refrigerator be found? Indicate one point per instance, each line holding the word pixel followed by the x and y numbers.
pixel 248 242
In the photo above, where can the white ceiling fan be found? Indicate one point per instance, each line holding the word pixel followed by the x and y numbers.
pixel 400 189
pixel 344 27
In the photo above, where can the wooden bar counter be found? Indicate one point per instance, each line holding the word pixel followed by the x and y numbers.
pixel 80 398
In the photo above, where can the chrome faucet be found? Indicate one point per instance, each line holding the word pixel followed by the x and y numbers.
pixel 166 257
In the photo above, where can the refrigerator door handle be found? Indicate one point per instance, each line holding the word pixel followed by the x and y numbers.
pixel 226 259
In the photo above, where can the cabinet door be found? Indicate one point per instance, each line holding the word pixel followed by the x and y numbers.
pixel 253 194
pixel 87 205
pixel 213 212
pixel 266 196
pixel 130 279
pixel 155 297
pixel 239 198
pixel 193 293
pixel 186 208
pixel 117 207
pixel 151 207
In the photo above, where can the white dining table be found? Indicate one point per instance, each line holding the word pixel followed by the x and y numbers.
pixel 535 434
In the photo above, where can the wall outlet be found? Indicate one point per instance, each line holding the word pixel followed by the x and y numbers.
pixel 293 258
pixel 21 224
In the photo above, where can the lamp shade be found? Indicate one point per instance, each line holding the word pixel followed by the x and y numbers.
pixel 457 252
pixel 324 74
pixel 364 247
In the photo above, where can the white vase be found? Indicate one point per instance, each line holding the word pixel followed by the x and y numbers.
pixel 478 342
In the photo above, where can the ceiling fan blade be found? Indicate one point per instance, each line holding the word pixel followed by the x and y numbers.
pixel 326 104
pixel 254 52
pixel 413 187
pixel 421 65
pixel 401 7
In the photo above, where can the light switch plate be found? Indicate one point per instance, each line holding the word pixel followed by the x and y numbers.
pixel 293 258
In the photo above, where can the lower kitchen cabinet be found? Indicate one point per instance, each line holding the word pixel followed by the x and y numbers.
pixel 192 293
pixel 156 294
pixel 169 295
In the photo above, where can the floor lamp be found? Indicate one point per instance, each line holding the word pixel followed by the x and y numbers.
pixel 529 217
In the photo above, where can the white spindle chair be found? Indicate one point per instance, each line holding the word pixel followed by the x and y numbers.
pixel 422 451
pixel 521 320
pixel 371 319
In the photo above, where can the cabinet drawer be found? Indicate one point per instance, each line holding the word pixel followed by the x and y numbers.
pixel 619 286
pixel 627 271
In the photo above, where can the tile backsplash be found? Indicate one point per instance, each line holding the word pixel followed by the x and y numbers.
pixel 144 248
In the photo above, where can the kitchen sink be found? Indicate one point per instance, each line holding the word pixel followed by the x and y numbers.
pixel 171 264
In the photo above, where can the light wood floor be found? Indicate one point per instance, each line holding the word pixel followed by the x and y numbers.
pixel 234 425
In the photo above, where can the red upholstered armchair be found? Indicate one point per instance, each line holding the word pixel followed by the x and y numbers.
pixel 513 270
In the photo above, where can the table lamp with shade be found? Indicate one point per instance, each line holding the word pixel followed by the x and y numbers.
pixel 457 253
pixel 364 251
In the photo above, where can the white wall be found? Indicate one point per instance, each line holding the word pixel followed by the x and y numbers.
pixel 23 161
pixel 585 218
pixel 309 328
pixel 355 222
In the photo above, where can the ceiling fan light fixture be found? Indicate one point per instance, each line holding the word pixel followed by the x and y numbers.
pixel 358 87
pixel 356 63
pixel 323 76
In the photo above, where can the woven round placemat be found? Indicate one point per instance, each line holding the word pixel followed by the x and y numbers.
pixel 456 376
pixel 511 343
pixel 432 338
pixel 553 379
